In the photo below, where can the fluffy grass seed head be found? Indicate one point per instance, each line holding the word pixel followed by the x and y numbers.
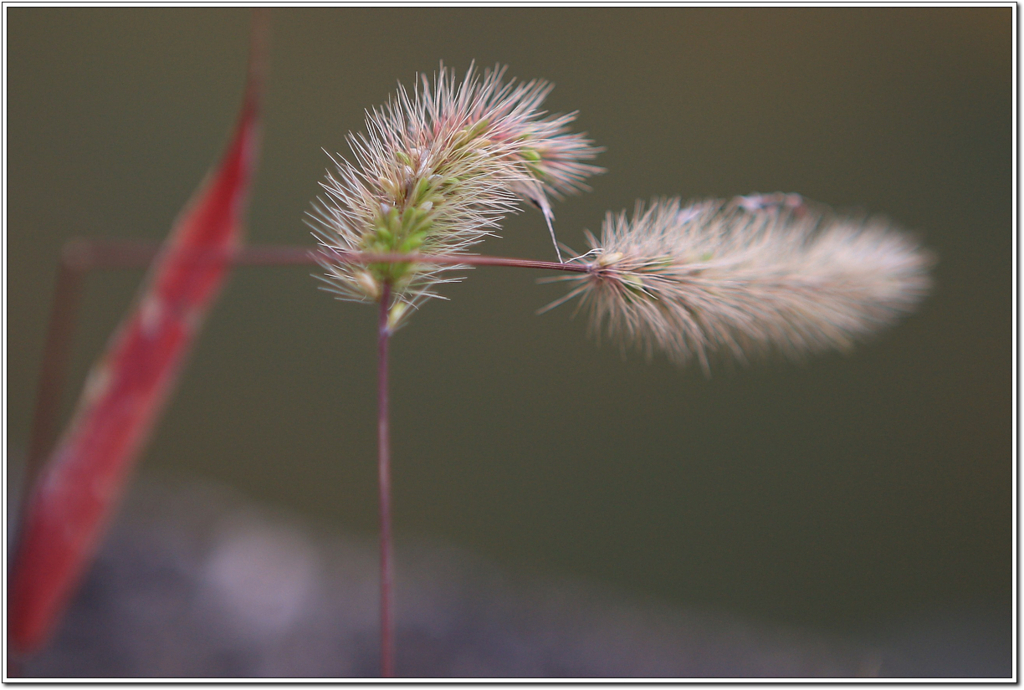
pixel 748 276
pixel 434 173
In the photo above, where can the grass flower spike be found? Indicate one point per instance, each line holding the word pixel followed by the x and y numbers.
pixel 748 276
pixel 435 173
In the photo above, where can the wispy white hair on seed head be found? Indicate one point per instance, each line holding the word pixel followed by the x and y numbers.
pixel 436 171
pixel 748 276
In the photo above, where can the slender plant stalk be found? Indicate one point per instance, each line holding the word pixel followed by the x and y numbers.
pixel 387 636
pixel 82 256
pixel 459 259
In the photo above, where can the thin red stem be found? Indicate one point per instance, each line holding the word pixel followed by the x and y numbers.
pixel 387 638
pixel 81 256
pixel 89 254
pixel 458 259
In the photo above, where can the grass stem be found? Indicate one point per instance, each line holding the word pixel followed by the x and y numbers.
pixel 387 639
pixel 459 260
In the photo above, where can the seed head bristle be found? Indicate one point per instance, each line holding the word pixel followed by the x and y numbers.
pixel 748 276
pixel 435 173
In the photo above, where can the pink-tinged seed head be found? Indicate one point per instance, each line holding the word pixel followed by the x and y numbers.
pixel 748 278
pixel 436 171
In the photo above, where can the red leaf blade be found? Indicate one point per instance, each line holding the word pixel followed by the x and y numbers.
pixel 127 387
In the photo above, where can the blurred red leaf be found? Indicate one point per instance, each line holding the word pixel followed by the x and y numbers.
pixel 78 490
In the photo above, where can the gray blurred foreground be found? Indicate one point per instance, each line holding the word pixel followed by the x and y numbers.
pixel 194 582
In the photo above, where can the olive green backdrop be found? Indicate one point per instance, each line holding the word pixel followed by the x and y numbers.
pixel 843 492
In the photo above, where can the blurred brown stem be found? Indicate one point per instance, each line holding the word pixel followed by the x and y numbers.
pixel 77 258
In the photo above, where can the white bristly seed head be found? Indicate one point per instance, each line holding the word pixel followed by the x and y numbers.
pixel 748 276
pixel 435 173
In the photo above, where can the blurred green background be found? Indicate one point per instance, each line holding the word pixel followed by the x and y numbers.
pixel 842 492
